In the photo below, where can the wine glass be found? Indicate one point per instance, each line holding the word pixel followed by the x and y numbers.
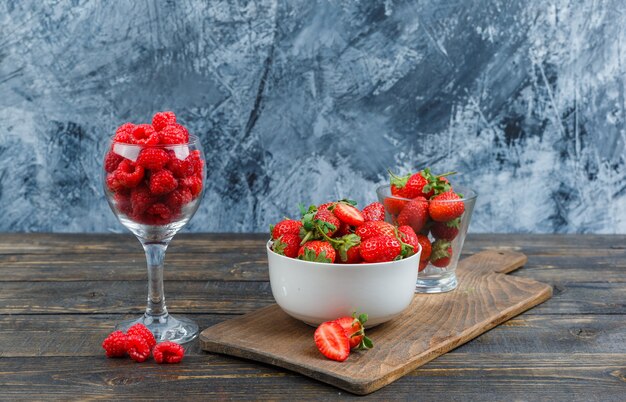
pixel 154 190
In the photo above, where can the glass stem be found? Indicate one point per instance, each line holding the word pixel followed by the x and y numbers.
pixel 155 255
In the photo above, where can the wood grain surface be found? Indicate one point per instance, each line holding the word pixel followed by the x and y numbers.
pixel 61 294
pixel 432 325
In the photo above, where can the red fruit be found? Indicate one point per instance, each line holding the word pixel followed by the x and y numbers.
pixel 446 230
pixel 142 331
pixel 444 207
pixel 141 199
pixel 355 331
pixel 423 265
pixel 122 203
pixel 426 247
pixel 158 214
pixel 374 212
pixel 441 253
pixel 177 198
pixel 353 256
pixel 174 134
pixel 162 182
pixel 317 251
pixel 348 214
pixel 344 229
pixel 115 344
pixel 113 182
pixel 380 249
pixel 168 352
pixel 325 206
pixel 194 184
pixel 124 133
pixel 137 348
pixel 408 236
pixel 129 174
pixel 112 161
pixel 144 134
pixel 409 186
pixel 287 245
pixel 286 226
pixel 377 228
pixel 414 214
pixel 153 158
pixel 196 162
pixel 179 168
pixel 162 119
pixel 330 223
pixel 331 340
pixel 394 205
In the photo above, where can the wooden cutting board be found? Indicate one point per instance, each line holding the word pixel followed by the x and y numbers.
pixel 432 325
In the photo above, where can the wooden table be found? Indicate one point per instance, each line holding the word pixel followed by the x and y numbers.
pixel 61 294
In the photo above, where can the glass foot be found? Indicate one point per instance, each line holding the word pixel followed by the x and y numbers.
pixel 440 284
pixel 165 327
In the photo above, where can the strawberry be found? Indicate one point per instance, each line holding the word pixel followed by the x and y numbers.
pixel 422 183
pixel 347 247
pixel 317 251
pixel 331 340
pixel 286 226
pixel 426 247
pixel 374 212
pixel 446 230
pixel 408 236
pixel 423 265
pixel 444 207
pixel 394 205
pixel 354 328
pixel 380 249
pixel 329 223
pixel 325 206
pixel 287 245
pixel 441 253
pixel 414 214
pixel 344 229
pixel 378 228
pixel 347 213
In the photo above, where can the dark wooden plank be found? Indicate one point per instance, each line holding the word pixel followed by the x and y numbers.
pixel 81 335
pixel 455 376
pixel 111 297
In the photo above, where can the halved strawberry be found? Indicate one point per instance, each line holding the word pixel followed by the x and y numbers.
pixel 355 331
pixel 348 214
pixel 330 339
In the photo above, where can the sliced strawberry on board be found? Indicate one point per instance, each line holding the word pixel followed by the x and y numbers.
pixel 355 331
pixel 331 339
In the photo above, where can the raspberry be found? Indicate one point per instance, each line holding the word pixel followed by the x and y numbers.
pixel 174 134
pixel 115 344
pixel 153 158
pixel 141 199
pixel 137 348
pixel 196 162
pixel 111 161
pixel 180 168
pixel 162 182
pixel 194 183
pixel 144 134
pixel 124 133
pixel 168 352
pixel 129 174
pixel 162 119
pixel 177 198
pixel 144 332
pixel 157 214
pixel 113 182
pixel 123 204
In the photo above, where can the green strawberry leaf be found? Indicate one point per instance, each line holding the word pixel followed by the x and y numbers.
pixel 366 343
pixel 272 229
pixel 349 202
pixel 454 223
pixel 362 318
pixel 398 181
pixel 279 246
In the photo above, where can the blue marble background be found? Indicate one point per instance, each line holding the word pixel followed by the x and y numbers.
pixel 306 101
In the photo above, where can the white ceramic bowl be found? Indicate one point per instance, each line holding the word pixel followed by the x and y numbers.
pixel 316 292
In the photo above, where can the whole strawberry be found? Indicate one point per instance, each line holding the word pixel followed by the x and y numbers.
pixel 394 205
pixel 414 214
pixel 286 226
pixel 374 212
pixel 287 245
pixel 380 249
pixel 408 236
pixel 420 184
pixel 441 253
pixel 446 230
pixel 317 251
pixel 329 223
pixel 445 207
pixel 377 228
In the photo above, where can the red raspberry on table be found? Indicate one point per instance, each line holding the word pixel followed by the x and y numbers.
pixel 162 182
pixel 168 352
pixel 174 134
pixel 141 199
pixel 115 344
pixel 124 133
pixel 145 134
pixel 144 332
pixel 177 198
pixel 162 119
pixel 112 161
pixel 137 348
pixel 129 174
pixel 194 184
pixel 153 158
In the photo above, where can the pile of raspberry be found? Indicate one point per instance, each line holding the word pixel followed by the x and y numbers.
pixel 153 185
pixel 138 343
